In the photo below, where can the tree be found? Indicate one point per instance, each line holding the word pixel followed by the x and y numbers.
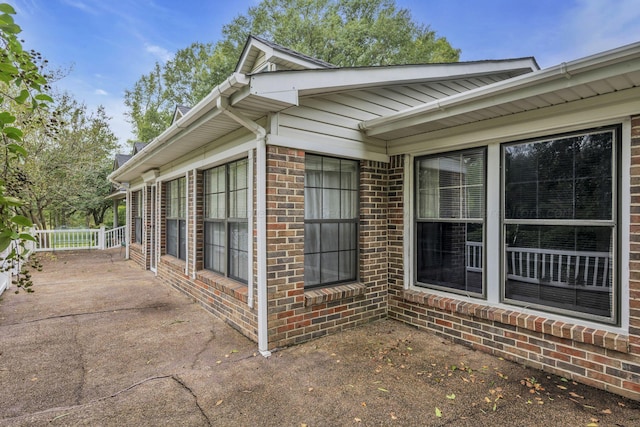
pixel 346 33
pixel 22 88
pixel 67 169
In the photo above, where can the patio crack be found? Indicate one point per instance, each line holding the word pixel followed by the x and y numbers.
pixel 66 409
pixel 195 398
pixel 204 348
pixel 88 313
pixel 83 370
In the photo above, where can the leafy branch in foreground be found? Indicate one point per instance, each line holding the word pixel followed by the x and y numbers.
pixel 22 93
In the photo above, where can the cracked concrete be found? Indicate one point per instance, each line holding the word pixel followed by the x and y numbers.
pixel 102 342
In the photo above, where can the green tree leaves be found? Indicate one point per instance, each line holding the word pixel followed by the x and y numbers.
pixel 346 33
pixel 21 86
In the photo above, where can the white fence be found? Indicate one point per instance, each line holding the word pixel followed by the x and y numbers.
pixel 66 240
pixel 7 271
pixel 563 268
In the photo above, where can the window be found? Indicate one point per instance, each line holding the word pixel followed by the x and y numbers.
pixel 137 220
pixel 226 229
pixel 559 223
pixel 176 218
pixel 330 220
pixel 450 211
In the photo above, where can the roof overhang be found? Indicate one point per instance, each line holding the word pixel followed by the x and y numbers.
pixel 203 123
pixel 607 72
pixel 324 81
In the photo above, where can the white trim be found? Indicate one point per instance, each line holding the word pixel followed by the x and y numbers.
pixel 596 111
pixel 128 221
pixel 250 219
pixel 154 235
pixel 143 209
pixel 493 264
pixel 261 212
pixel 186 224
pixel 194 173
pixel 227 153
pixel 345 149
pixel 409 240
pixel 624 203
pixel 492 232
pixel 566 75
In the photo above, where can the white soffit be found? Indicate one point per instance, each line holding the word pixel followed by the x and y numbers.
pixel 603 73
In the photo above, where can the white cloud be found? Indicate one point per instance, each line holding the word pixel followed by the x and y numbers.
pixel 159 52
pixel 101 92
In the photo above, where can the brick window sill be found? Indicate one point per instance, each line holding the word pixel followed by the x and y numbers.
pixel 334 293
pixel 176 263
pixel 233 288
pixel 532 322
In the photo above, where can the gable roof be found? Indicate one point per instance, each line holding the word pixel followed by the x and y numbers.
pixel 179 112
pixel 243 99
pixel 258 53
pixel 120 160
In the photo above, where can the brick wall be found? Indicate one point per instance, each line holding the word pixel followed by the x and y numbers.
pixel 595 357
pixel 136 250
pixel 223 297
pixel 294 315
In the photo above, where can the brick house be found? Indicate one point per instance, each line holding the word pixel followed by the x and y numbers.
pixel 491 202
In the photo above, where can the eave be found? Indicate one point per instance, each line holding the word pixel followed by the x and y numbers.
pixel 596 75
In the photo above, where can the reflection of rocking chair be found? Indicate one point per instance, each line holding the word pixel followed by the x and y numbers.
pixel 123 245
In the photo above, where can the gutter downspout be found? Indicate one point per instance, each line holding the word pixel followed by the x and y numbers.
pixel 261 218
pixel 251 216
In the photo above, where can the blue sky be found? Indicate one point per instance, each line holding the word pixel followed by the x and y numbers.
pixel 108 44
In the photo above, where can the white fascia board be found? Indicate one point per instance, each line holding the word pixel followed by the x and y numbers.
pixel 310 82
pixel 565 75
pixel 208 104
pixel 591 112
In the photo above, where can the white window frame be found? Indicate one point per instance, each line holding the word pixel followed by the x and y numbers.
pixel 493 225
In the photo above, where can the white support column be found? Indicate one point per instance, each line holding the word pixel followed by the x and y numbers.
pixel 194 174
pixel 186 223
pixel 127 221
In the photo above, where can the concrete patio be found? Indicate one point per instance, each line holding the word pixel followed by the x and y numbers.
pixel 102 342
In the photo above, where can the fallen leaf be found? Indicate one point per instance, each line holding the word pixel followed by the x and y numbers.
pixel 438 413
pixel 357 420
pixel 310 388
pixel 383 389
pixel 620 404
pixel 561 387
pixel 576 395
pixel 606 411
pixel 592 425
pixel 219 402
pixel 486 399
pixel 451 396
pixel 364 404
pixel 393 416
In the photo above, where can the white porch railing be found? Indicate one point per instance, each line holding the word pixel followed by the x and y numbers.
pixel 563 268
pixel 65 240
